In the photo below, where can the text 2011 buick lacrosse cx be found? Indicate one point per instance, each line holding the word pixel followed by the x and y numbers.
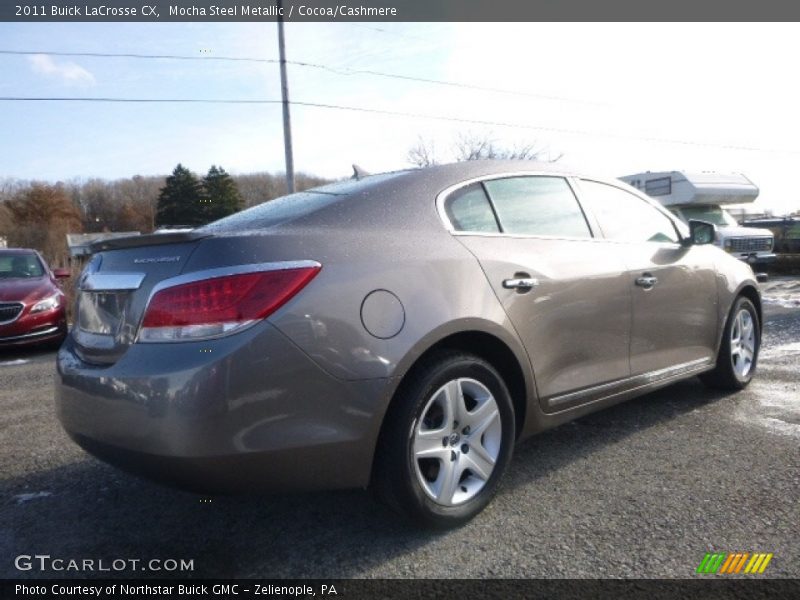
pixel 401 331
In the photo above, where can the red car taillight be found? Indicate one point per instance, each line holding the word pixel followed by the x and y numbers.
pixel 220 305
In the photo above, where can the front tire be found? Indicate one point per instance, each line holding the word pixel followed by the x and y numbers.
pixel 738 353
pixel 447 441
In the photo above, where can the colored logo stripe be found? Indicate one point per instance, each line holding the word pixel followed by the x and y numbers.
pixel 731 563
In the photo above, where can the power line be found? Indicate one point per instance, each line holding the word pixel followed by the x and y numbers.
pixel 396 33
pixel 396 113
pixel 310 65
pixel 140 56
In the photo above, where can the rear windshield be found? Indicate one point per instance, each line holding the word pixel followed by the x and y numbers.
pixel 19 266
pixel 288 208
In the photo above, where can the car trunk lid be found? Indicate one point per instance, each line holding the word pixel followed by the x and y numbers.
pixel 114 289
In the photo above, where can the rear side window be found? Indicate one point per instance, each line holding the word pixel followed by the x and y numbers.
pixel 625 217
pixel 537 206
pixel 469 210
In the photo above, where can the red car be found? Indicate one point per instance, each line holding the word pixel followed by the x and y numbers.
pixel 32 305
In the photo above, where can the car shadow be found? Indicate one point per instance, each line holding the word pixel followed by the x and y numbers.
pixel 87 509
pixel 34 352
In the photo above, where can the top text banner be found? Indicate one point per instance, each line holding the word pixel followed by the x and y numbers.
pixel 398 10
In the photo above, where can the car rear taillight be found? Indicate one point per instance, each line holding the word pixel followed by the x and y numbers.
pixel 219 305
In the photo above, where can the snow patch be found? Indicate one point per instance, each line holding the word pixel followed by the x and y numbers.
pixel 775 407
pixel 782 427
pixel 781 350
pixel 23 498
pixel 19 361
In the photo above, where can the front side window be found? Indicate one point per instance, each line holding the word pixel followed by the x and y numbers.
pixel 625 217
pixel 537 206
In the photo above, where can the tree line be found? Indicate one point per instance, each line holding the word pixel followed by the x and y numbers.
pixel 35 214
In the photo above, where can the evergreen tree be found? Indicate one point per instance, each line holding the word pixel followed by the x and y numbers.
pixel 222 196
pixel 181 201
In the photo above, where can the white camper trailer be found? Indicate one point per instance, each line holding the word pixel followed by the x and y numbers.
pixel 702 197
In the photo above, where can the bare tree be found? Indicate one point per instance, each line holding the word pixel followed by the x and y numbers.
pixel 469 146
pixel 473 146
pixel 423 153
pixel 42 215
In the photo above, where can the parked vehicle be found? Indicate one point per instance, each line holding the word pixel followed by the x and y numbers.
pixel 401 331
pixel 785 229
pixel 32 305
pixel 703 196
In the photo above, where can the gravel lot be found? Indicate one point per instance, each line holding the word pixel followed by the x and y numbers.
pixel 643 489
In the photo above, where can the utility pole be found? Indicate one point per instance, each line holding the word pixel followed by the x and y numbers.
pixel 287 124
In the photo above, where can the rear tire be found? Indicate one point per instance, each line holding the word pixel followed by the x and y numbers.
pixel 738 353
pixel 447 440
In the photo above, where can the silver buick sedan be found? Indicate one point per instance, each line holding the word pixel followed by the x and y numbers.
pixel 400 331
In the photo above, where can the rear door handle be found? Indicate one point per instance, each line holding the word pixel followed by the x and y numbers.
pixel 520 284
pixel 646 281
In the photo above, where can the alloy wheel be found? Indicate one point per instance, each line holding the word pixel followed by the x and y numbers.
pixel 456 441
pixel 743 343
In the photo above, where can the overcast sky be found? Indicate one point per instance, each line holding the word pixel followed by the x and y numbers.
pixel 612 98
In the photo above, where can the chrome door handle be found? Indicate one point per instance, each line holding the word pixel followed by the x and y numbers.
pixel 646 281
pixel 523 283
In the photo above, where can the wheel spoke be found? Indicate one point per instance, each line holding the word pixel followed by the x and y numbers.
pixel 449 475
pixel 428 444
pixel 488 417
pixel 479 462
pixel 736 330
pixel 454 398
pixel 747 354
pixel 747 329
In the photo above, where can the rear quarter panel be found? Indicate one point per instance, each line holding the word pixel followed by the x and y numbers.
pixel 440 285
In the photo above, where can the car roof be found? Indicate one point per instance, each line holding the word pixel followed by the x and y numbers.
pixel 453 173
pixel 18 251
pixel 394 200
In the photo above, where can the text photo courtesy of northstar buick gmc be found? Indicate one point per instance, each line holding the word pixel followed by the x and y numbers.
pixel 400 331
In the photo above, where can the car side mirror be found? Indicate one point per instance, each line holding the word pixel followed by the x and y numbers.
pixel 701 232
pixel 62 273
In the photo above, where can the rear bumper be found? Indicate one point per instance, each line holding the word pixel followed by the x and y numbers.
pixel 249 412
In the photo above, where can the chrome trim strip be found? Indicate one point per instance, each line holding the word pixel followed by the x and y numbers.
pixel 18 315
pixel 47 331
pixel 635 381
pixel 231 270
pixel 111 282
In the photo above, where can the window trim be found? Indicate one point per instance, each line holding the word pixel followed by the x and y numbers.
pixel 442 197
